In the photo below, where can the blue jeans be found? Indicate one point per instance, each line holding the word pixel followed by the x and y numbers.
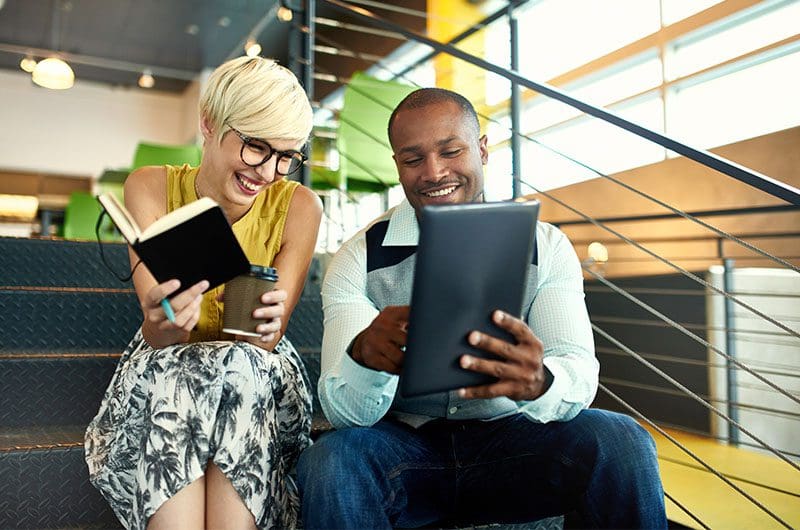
pixel 600 464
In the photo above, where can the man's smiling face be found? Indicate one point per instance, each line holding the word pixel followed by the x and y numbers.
pixel 439 155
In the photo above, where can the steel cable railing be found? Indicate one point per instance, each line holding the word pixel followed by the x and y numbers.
pixel 695 362
pixel 733 170
pixel 693 456
pixel 667 262
pixel 624 238
pixel 729 295
pixel 629 241
pixel 686 390
pixel 705 397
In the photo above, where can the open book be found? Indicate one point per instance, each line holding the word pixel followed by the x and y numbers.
pixel 192 243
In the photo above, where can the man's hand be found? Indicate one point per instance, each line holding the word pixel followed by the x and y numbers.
pixel 519 369
pixel 379 346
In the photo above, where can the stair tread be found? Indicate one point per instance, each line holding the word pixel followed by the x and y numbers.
pixel 40 437
pixel 56 354
pixel 44 437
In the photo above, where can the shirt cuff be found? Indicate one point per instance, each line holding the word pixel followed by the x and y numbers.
pixel 362 378
pixel 545 408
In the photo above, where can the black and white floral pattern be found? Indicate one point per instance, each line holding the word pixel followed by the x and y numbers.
pixel 168 411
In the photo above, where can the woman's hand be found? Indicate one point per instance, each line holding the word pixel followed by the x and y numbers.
pixel 271 313
pixel 157 328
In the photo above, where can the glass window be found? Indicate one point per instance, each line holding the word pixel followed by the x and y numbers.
pixel 499 130
pixel 498 51
pixel 560 35
pixel 605 89
pixel 639 75
pixel 498 180
pixel 740 35
pixel 744 104
pixel 600 145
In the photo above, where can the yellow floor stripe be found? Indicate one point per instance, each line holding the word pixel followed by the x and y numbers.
pixel 712 500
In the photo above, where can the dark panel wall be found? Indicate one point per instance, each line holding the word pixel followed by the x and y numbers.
pixel 670 350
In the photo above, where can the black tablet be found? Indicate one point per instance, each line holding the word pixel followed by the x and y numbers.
pixel 471 260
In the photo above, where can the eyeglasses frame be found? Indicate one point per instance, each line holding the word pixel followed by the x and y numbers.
pixel 290 153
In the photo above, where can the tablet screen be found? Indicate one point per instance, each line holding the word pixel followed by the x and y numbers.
pixel 471 260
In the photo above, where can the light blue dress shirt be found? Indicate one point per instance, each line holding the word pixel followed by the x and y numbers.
pixel 555 310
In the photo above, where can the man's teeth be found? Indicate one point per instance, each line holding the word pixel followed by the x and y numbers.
pixel 246 183
pixel 444 191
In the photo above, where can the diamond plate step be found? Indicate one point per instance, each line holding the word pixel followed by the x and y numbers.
pixel 46 483
pixel 67 321
pixel 59 390
pixel 59 263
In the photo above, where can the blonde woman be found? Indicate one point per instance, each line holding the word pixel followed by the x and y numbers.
pixel 197 428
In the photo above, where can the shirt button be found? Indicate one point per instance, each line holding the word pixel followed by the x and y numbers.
pixel 453 410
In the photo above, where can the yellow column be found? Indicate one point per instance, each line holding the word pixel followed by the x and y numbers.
pixel 446 19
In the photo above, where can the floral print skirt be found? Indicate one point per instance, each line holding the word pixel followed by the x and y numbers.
pixel 168 411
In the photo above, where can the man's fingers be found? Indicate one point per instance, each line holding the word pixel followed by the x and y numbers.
pixel 499 347
pixel 518 328
pixel 499 369
pixel 501 388
pixel 386 356
pixel 391 359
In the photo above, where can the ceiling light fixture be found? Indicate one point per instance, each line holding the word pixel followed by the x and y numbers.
pixel 284 14
pixel 146 80
pixel 28 63
pixel 53 73
pixel 252 48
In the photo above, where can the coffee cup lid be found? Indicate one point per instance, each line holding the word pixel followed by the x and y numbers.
pixel 263 272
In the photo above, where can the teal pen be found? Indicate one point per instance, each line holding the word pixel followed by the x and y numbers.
pixel 168 310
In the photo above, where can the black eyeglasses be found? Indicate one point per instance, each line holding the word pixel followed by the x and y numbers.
pixel 256 152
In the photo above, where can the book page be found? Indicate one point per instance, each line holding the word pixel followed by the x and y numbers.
pixel 120 217
pixel 176 217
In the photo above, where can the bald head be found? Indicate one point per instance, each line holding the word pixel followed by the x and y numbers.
pixel 431 96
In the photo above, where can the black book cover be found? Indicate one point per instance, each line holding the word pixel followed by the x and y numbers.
pixel 201 248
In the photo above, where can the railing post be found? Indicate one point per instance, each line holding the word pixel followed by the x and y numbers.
pixel 515 104
pixel 730 350
pixel 309 13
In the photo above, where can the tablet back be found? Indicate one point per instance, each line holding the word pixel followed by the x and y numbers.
pixel 471 260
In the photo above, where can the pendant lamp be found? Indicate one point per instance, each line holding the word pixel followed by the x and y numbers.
pixel 53 73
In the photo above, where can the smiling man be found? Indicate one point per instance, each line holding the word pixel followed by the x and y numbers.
pixel 522 448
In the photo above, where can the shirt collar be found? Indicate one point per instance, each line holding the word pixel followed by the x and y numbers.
pixel 403 229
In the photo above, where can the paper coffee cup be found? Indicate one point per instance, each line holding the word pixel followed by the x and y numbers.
pixel 242 296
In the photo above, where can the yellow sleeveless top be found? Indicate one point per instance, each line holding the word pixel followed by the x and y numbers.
pixel 259 233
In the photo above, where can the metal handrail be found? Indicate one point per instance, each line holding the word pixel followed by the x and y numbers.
pixel 764 183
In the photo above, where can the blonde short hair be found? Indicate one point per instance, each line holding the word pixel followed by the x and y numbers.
pixel 258 97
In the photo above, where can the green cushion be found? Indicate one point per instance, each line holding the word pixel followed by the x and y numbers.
pixel 148 154
pixel 364 154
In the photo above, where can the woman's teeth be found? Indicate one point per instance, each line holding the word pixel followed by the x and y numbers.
pixel 441 192
pixel 247 183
